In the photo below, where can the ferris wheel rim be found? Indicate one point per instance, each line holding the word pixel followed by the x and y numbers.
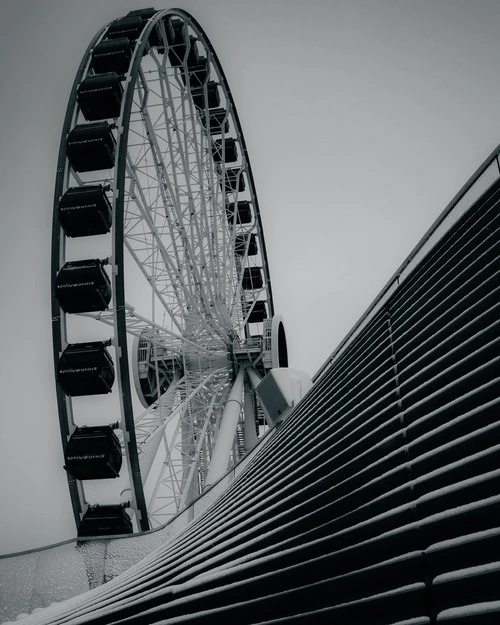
pixel 118 276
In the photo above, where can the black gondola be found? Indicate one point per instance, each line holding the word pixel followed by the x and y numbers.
pixel 105 521
pixel 145 15
pixel 85 211
pixel 183 46
pixel 240 246
pixel 233 180
pixel 252 278
pixel 113 55
pixel 243 212
pixel 83 286
pixel 259 312
pixel 100 96
pixel 85 369
pixel 217 122
pixel 90 147
pixel 93 453
pixel 226 151
pixel 198 74
pixel 207 95
pixel 129 26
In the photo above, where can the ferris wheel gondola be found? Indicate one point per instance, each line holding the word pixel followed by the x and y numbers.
pixel 162 295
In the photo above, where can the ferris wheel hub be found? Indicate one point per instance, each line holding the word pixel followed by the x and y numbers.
pixel 264 352
pixel 206 361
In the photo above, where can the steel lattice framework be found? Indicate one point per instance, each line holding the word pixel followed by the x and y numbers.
pixel 187 266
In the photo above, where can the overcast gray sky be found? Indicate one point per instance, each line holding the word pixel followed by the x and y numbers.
pixel 362 119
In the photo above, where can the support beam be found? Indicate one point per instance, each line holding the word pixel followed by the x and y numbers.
pixel 250 428
pixel 225 436
pixel 254 377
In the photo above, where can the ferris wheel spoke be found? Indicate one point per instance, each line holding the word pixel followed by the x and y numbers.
pixel 186 391
pixel 196 418
pixel 151 424
pixel 137 325
pixel 218 228
pixel 174 278
pixel 160 410
pixel 156 279
pixel 190 136
pixel 187 248
pixel 234 288
pixel 199 216
pixel 221 239
pixel 222 249
pixel 175 139
pixel 200 458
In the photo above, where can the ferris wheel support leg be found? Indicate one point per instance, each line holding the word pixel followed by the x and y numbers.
pixel 227 430
pixel 255 379
pixel 250 428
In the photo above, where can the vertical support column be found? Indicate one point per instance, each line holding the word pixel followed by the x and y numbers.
pixel 250 428
pixel 227 430
pixel 255 379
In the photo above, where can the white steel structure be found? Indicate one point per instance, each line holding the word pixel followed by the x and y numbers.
pixel 191 303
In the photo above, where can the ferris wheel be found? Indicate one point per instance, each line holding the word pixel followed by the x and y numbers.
pixel 162 309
